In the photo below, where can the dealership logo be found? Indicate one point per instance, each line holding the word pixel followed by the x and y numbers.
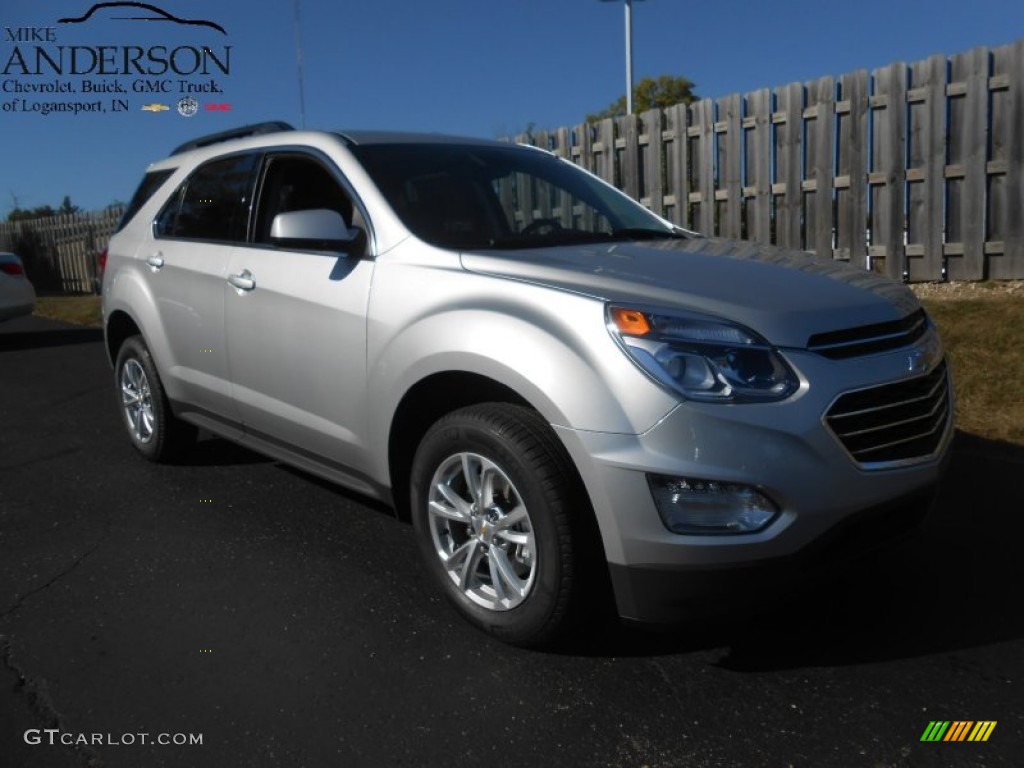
pixel 958 730
pixel 42 73
pixel 155 14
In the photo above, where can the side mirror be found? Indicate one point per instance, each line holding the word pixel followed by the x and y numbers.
pixel 317 229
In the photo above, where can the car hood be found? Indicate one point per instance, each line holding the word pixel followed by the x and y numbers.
pixel 786 296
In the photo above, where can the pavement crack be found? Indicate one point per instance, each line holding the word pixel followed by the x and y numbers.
pixel 20 600
pixel 40 703
pixel 36 689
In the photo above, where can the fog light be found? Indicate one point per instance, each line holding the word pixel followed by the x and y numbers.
pixel 708 507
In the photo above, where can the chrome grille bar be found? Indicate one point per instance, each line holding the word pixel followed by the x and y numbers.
pixel 892 424
pixel 869 339
pixel 939 382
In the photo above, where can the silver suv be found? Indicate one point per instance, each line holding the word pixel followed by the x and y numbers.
pixel 562 390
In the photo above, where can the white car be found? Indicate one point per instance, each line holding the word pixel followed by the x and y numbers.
pixel 17 296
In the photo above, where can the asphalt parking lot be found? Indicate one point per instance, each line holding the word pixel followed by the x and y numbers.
pixel 288 623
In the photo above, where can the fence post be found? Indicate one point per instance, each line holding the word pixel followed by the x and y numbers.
pixel 888 174
pixel 851 171
pixel 926 163
pixel 703 119
pixel 628 143
pixel 728 130
pixel 1006 166
pixel 652 154
pixel 678 164
pixel 966 173
pixel 819 113
pixel 604 150
pixel 787 190
pixel 757 132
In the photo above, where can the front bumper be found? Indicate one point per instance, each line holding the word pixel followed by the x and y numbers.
pixel 667 595
pixel 783 450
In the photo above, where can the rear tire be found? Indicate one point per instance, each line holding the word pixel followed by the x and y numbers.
pixel 493 494
pixel 146 413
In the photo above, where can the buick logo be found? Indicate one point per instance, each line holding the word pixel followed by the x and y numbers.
pixel 187 106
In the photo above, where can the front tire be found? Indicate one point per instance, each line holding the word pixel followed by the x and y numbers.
pixel 145 411
pixel 493 495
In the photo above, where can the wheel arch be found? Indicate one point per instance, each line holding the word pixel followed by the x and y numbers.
pixel 421 406
pixel 119 327
pixel 434 397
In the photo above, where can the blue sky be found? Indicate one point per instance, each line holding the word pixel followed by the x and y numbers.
pixel 471 67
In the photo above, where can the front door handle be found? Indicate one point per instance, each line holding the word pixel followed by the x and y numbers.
pixel 156 261
pixel 242 282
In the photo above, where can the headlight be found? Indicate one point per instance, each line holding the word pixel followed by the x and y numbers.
pixel 702 357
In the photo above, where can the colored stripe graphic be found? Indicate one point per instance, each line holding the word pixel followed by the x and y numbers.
pixel 982 730
pixel 958 730
pixel 935 730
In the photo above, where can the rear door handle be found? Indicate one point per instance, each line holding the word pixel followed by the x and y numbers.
pixel 242 282
pixel 156 261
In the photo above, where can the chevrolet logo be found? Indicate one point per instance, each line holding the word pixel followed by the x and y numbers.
pixel 155 107
pixel 916 362
pixel 925 356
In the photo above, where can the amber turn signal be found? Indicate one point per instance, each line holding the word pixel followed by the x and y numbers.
pixel 630 321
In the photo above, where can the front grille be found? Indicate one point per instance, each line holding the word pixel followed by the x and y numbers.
pixel 869 339
pixel 894 422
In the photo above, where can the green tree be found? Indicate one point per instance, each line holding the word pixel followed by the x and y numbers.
pixel 21 214
pixel 664 91
pixel 18 213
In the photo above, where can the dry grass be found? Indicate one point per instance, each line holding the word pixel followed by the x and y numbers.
pixel 80 310
pixel 984 338
pixel 982 326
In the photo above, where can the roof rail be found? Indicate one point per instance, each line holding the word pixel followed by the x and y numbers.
pixel 256 129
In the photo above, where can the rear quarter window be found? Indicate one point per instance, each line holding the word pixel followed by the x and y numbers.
pixel 150 183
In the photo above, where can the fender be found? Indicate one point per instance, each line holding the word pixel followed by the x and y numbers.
pixel 537 341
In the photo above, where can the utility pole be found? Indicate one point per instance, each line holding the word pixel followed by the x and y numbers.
pixel 629 53
pixel 298 62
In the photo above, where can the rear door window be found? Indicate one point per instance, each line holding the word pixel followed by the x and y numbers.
pixel 213 203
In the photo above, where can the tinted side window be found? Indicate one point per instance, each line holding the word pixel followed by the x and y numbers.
pixel 213 203
pixel 150 183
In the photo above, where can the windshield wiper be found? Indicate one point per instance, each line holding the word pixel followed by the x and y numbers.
pixel 639 233
pixel 549 240
pixel 577 237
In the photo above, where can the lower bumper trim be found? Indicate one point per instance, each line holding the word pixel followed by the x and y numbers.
pixel 669 595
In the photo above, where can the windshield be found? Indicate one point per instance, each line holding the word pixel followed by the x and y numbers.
pixel 482 197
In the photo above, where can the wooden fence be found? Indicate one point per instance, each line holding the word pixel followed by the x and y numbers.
pixel 61 252
pixel 916 171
